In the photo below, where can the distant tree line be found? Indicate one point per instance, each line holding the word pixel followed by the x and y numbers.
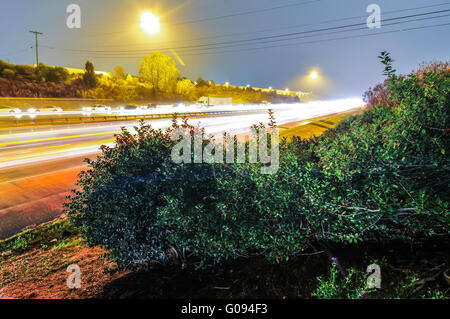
pixel 159 79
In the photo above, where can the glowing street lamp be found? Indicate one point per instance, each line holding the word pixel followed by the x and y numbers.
pixel 150 23
pixel 313 75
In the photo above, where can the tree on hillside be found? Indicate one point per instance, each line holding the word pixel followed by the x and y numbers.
pixel 56 74
pixel 159 71
pixel 201 82
pixel 185 87
pixel 90 78
pixel 120 72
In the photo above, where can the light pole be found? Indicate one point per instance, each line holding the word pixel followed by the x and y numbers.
pixel 36 34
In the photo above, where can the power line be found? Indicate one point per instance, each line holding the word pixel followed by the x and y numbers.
pixel 273 38
pixel 333 32
pixel 118 55
pixel 286 44
pixel 225 16
pixel 246 12
pixel 300 43
pixel 319 41
pixel 283 28
pixel 258 38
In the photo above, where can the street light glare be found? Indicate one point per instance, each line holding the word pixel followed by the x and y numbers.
pixel 314 75
pixel 150 23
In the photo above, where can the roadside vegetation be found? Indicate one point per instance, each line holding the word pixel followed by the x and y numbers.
pixel 372 190
pixel 158 80
pixel 381 175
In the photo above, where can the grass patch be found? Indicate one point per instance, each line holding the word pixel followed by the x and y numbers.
pixel 315 127
pixel 67 243
pixel 42 237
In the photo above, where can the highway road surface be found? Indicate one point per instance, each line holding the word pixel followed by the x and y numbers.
pixel 39 165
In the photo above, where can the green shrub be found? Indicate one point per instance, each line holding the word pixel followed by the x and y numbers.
pixel 354 286
pixel 381 175
pixel 19 244
pixel 137 203
pixel 392 161
pixel 26 70
pixel 56 74
pixel 8 74
pixel 50 74
pixel 6 65
pixel 335 287
pixel 124 193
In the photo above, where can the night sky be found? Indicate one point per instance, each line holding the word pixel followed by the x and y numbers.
pixel 110 36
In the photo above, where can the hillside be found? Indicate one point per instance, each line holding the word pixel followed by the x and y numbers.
pixel 59 82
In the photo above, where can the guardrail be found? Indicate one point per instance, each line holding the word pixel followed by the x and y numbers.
pixel 112 118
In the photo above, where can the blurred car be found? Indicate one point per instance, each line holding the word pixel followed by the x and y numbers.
pixel 129 108
pixel 101 108
pixel 45 108
pixel 9 109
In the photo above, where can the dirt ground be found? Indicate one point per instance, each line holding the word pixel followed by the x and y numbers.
pixel 42 274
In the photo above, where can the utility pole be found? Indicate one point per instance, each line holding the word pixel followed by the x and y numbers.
pixel 36 33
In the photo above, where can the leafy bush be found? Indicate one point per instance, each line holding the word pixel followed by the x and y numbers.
pixel 377 96
pixel 19 243
pixel 57 74
pixel 354 286
pixel 393 161
pixel 381 175
pixel 40 73
pixel 25 70
pixel 185 87
pixel 435 66
pixel 349 287
pixel 123 194
pixel 5 65
pixel 8 74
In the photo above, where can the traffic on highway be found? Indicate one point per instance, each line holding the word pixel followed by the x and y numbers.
pixel 9 112
pixel 24 145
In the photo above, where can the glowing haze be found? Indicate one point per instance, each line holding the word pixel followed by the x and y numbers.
pixel 150 23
